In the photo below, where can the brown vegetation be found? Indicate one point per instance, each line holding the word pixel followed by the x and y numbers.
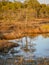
pixel 5 46
pixel 13 30
pixel 23 19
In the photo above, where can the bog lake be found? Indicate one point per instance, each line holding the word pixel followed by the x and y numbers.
pixel 38 47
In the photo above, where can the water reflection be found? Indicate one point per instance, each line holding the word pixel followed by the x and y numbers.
pixel 38 47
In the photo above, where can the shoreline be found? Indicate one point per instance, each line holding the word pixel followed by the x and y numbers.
pixel 14 30
pixel 21 60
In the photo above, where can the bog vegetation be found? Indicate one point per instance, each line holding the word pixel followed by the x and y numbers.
pixel 19 11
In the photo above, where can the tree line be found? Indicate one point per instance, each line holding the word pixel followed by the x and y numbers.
pixel 29 9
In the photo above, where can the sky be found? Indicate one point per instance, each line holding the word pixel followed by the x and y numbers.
pixel 41 1
pixel 44 1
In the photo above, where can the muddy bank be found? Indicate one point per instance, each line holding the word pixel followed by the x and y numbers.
pixel 5 46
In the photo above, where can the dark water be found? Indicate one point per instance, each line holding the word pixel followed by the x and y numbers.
pixel 38 47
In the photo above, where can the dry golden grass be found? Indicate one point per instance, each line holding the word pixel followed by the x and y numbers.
pixel 16 29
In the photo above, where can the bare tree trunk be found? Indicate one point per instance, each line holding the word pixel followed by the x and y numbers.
pixel 26 43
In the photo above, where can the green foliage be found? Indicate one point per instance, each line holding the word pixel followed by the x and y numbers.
pixel 18 5
pixel 30 9
pixel 44 11
pixel 31 3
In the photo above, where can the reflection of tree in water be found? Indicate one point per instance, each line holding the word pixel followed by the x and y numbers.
pixel 29 46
